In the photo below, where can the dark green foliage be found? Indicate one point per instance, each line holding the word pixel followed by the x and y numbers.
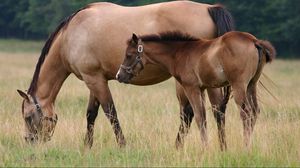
pixel 274 20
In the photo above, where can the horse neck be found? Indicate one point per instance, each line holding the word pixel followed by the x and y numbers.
pixel 51 77
pixel 162 53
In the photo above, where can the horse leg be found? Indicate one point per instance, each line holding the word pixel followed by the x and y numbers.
pixel 92 112
pixel 186 115
pixel 218 103
pixel 196 98
pixel 111 113
pixel 239 94
pixel 100 89
pixel 252 98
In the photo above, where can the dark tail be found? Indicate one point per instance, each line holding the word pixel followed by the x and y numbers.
pixel 266 49
pixel 222 18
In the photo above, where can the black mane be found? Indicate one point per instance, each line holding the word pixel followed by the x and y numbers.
pixel 168 36
pixel 45 50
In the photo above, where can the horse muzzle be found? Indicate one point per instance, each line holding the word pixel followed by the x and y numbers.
pixel 123 77
pixel 31 138
pixel 35 138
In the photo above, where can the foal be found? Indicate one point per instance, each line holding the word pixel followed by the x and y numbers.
pixel 235 59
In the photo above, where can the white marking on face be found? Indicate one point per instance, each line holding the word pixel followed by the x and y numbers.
pixel 118 73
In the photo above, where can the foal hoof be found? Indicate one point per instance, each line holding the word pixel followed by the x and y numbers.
pixel 223 147
pixel 122 143
pixel 88 146
pixel 88 143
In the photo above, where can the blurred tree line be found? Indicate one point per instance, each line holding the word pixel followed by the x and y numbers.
pixel 275 20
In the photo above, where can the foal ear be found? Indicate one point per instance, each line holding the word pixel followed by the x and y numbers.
pixel 135 38
pixel 23 94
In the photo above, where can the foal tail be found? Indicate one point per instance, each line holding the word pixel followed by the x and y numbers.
pixel 222 19
pixel 267 49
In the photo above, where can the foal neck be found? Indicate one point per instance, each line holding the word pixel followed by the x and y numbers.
pixel 169 54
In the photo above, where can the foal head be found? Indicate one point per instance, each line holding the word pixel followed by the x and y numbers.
pixel 133 62
pixel 37 126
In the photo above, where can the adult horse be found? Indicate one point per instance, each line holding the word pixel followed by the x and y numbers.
pixel 91 44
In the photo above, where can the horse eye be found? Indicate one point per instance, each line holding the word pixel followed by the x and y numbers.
pixel 128 56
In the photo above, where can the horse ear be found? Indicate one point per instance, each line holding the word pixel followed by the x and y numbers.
pixel 22 94
pixel 135 38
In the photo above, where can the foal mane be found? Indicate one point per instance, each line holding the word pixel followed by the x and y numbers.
pixel 33 85
pixel 168 36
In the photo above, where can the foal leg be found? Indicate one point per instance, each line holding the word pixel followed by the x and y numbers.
pixel 196 98
pixel 252 98
pixel 219 103
pixel 239 94
pixel 100 89
pixel 186 116
pixel 92 112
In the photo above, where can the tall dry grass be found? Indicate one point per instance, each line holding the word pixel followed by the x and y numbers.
pixel 149 118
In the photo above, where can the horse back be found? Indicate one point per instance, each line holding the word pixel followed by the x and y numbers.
pixel 95 39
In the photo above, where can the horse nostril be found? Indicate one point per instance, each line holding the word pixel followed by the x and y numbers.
pixel 30 139
pixel 118 76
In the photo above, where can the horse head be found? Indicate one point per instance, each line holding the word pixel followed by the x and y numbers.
pixel 37 125
pixel 133 62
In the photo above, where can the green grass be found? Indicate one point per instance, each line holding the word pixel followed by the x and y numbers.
pixel 150 119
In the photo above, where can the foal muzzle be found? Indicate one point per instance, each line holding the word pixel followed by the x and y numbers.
pixel 129 70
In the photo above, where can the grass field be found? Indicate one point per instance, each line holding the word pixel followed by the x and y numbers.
pixel 149 117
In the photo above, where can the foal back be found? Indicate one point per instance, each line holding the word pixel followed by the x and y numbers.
pixel 232 58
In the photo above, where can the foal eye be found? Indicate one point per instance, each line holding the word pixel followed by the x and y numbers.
pixel 128 56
